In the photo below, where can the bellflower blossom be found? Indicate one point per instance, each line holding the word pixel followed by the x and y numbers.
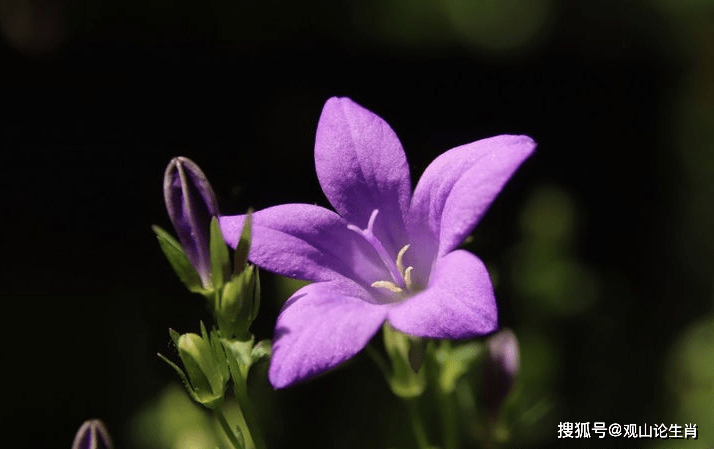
pixel 386 254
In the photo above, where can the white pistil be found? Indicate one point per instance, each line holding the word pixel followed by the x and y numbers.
pixel 401 276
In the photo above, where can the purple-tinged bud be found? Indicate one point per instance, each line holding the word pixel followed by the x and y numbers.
pixel 500 369
pixel 191 204
pixel 92 434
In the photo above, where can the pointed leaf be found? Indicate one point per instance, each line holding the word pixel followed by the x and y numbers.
pixel 174 336
pixel 238 354
pixel 184 379
pixel 256 295
pixel 178 260
pixel 204 333
pixel 234 312
pixel 220 262
pixel 219 354
pixel 243 247
pixel 239 380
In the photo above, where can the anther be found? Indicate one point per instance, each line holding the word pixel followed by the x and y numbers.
pixel 400 258
pixel 391 286
pixel 408 277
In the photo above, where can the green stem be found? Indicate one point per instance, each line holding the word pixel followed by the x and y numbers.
pixel 417 425
pixel 251 420
pixel 448 420
pixel 227 429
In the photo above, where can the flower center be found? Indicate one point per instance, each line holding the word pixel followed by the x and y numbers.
pixel 401 276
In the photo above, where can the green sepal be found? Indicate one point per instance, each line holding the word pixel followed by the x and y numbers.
pixel 176 256
pixel 204 333
pixel 455 362
pixel 205 374
pixel 219 355
pixel 182 375
pixel 238 355
pixel 201 368
pixel 174 336
pixel 240 257
pixel 220 261
pixel 256 296
pixel 235 311
pixel 404 381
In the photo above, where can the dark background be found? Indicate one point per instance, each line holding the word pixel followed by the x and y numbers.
pixel 601 246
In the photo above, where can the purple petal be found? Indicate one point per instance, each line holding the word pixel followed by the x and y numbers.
pixel 457 188
pixel 458 303
pixel 361 167
pixel 304 241
pixel 321 326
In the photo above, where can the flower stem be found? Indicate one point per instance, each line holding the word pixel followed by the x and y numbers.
pixel 448 420
pixel 417 424
pixel 230 434
pixel 251 421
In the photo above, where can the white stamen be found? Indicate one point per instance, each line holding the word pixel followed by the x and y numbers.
pixel 401 276
pixel 408 277
pixel 400 258
pixel 391 286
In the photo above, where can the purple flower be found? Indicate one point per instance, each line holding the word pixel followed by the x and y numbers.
pixel 387 254
pixel 191 204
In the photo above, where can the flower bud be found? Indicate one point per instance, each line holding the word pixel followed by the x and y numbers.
pixel 191 203
pixel 92 434
pixel 205 366
pixel 500 369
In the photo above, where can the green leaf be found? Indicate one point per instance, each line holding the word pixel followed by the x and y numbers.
pixel 189 389
pixel 256 296
pixel 220 261
pixel 204 333
pixel 238 354
pixel 206 376
pixel 219 354
pixel 179 262
pixel 234 314
pixel 243 247
pixel 174 336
